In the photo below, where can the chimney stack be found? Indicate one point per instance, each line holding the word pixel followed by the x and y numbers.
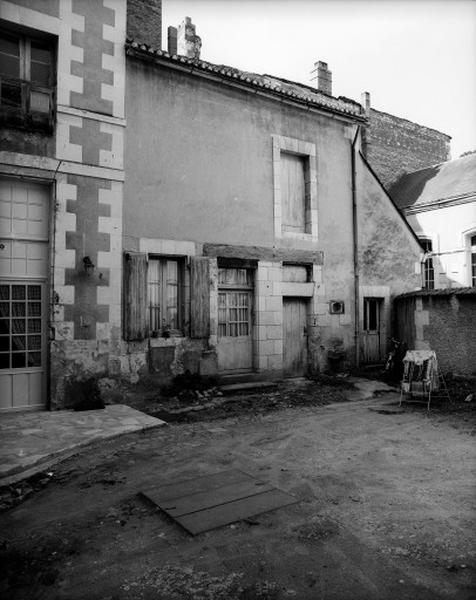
pixel 365 101
pixel 172 40
pixel 324 78
pixel 188 42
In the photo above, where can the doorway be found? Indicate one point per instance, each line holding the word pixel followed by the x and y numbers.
pixel 24 210
pixel 294 336
pixel 373 345
pixel 235 326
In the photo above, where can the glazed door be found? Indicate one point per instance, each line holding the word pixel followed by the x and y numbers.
pixel 235 307
pixel 23 294
pixel 294 336
pixel 371 335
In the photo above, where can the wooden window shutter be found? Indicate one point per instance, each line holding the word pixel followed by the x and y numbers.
pixel 200 297
pixel 135 296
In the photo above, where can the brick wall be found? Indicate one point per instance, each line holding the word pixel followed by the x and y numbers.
pixel 444 322
pixel 144 22
pixel 395 146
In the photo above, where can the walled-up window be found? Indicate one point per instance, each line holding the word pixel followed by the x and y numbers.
pixel 294 197
pixel 165 292
pixel 27 81
pixel 473 260
pixel 428 269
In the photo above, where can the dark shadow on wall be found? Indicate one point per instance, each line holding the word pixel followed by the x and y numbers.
pixel 409 187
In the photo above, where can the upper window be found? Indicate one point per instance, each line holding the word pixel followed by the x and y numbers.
pixel 165 295
pixel 295 202
pixel 428 269
pixel 295 188
pixel 27 79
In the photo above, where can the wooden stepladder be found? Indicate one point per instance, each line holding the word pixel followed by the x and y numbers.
pixel 422 379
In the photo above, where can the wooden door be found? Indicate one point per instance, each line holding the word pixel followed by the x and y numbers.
pixel 372 346
pixel 235 309
pixel 294 336
pixel 23 294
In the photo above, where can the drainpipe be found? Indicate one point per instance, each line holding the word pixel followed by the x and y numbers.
pixel 355 233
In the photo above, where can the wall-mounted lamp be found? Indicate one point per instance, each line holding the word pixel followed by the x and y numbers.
pixel 88 265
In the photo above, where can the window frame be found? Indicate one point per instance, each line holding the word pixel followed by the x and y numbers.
pixel 23 116
pixel 306 151
pixel 428 271
pixel 166 330
pixel 228 290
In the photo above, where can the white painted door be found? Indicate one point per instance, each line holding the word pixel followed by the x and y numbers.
pixel 23 294
pixel 294 336
pixel 235 304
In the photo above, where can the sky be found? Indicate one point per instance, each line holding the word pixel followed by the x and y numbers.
pixel 417 58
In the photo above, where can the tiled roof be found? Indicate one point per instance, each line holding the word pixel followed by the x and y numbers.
pixel 274 85
pixel 450 180
pixel 460 291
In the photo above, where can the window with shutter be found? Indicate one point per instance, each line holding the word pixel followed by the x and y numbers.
pixel 199 297
pixel 135 311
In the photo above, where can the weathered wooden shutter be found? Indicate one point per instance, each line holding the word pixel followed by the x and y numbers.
pixel 135 296
pixel 200 297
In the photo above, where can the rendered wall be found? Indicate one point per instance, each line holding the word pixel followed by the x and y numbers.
pixel 199 163
pixel 389 255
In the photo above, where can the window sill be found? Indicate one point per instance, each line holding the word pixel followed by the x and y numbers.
pixel 306 237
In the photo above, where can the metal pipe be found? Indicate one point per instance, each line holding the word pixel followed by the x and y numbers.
pixel 355 234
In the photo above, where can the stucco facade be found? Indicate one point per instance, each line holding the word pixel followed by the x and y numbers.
pixel 202 158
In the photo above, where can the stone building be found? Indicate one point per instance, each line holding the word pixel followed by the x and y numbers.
pixel 61 192
pixel 241 232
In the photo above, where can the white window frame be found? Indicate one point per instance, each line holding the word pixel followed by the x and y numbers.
pixel 307 150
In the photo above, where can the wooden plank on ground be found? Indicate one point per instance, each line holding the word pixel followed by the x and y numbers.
pixel 217 516
pixel 194 502
pixel 163 493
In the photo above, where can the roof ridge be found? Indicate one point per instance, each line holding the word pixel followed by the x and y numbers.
pixel 289 89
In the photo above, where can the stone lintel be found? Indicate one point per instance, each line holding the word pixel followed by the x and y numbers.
pixel 290 255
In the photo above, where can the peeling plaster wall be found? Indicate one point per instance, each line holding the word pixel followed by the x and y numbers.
pixel 389 255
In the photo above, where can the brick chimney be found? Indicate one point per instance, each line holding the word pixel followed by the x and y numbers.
pixel 365 101
pixel 324 78
pixel 144 22
pixel 188 42
pixel 172 40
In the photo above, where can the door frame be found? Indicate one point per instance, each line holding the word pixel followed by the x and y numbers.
pixel 306 302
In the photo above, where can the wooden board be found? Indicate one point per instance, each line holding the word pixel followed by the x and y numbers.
pixel 177 507
pixel 164 492
pixel 217 516
pixel 212 501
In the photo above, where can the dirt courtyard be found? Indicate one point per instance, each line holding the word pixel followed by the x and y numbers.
pixel 386 507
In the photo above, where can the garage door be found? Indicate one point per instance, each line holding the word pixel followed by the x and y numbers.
pixel 23 294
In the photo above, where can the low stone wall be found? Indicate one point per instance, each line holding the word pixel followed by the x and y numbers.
pixel 443 321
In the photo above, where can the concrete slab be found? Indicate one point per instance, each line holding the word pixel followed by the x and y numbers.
pixel 33 441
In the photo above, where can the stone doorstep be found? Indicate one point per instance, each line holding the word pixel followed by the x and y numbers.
pixel 250 386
